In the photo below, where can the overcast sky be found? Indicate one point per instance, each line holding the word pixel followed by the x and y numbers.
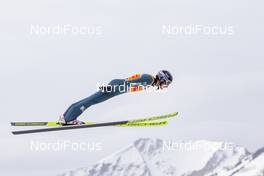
pixel 218 87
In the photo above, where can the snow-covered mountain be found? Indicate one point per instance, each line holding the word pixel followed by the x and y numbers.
pixel 154 157
pixel 253 166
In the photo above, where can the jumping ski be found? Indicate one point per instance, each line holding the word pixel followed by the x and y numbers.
pixel 135 122
pixel 139 120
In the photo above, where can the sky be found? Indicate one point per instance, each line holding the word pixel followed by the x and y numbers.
pixel 218 79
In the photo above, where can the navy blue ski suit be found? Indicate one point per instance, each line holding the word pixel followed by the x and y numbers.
pixel 132 84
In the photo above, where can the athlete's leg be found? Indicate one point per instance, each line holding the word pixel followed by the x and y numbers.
pixel 76 109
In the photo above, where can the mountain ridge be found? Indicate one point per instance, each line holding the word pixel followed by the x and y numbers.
pixel 149 157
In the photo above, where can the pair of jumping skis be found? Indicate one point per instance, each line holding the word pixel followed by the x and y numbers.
pixel 55 126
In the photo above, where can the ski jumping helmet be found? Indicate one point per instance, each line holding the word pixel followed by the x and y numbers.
pixel 164 77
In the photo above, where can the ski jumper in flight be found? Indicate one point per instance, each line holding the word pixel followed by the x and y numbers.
pixel 116 87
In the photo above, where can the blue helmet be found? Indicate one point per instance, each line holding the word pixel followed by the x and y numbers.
pixel 164 77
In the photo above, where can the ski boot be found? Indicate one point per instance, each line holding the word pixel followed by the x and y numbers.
pixel 62 121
